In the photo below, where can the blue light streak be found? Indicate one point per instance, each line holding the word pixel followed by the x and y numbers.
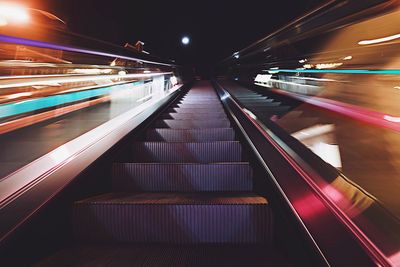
pixel 341 71
pixel 12 109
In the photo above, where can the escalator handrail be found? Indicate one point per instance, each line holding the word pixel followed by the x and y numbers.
pixel 27 190
pixel 364 242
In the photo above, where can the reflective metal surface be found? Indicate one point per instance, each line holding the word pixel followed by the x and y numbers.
pixel 56 85
pixel 336 72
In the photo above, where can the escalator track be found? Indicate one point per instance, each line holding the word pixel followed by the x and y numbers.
pixel 185 198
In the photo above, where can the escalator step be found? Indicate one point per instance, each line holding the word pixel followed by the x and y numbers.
pixel 197 110
pixel 192 116
pixel 155 177
pixel 250 96
pixel 178 218
pixel 205 152
pixel 162 255
pixel 198 102
pixel 208 106
pixel 187 124
pixel 256 100
pixel 191 135
pixel 194 99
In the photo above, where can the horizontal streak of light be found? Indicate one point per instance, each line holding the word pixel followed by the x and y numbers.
pixel 38 76
pixel 23 41
pixel 33 119
pixel 312 79
pixel 18 95
pixel 82 150
pixel 30 105
pixel 379 40
pixel 78 79
pixel 391 118
pixel 313 131
pixel 294 84
pixel 358 113
pixel 386 72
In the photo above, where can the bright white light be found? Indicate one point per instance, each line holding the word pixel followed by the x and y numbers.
pixel 391 118
pixel 251 114
pixel 328 65
pixel 13 13
pixel 60 154
pixel 348 58
pixel 65 79
pixel 225 96
pixel 329 153
pixel 18 95
pixel 273 70
pixel 314 137
pixel 3 21
pixel 92 71
pixel 173 80
pixel 379 40
pixel 263 78
pixel 314 131
pixel 302 60
pixel 185 40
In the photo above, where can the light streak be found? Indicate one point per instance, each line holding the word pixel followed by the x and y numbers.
pixel 74 79
pixel 379 40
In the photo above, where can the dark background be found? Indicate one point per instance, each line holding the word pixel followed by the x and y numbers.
pixel 217 28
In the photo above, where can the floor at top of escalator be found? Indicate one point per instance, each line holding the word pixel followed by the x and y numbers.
pixel 166 255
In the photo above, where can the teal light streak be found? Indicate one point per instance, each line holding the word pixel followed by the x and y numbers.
pixel 12 109
pixel 385 72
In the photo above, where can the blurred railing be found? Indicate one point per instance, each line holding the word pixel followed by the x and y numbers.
pixel 340 63
pixel 65 100
pixel 48 72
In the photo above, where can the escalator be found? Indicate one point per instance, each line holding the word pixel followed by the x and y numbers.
pixel 267 106
pixel 187 197
pixel 197 183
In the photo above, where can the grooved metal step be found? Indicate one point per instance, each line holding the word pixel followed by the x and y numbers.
pixel 191 135
pixel 205 152
pixel 156 177
pixel 196 110
pixel 247 95
pixel 192 116
pixel 208 106
pixel 186 184
pixel 251 101
pixel 187 124
pixel 176 218
pixel 162 255
pixel 194 99
pixel 189 101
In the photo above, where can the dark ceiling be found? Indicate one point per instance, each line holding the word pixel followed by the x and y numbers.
pixel 217 27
